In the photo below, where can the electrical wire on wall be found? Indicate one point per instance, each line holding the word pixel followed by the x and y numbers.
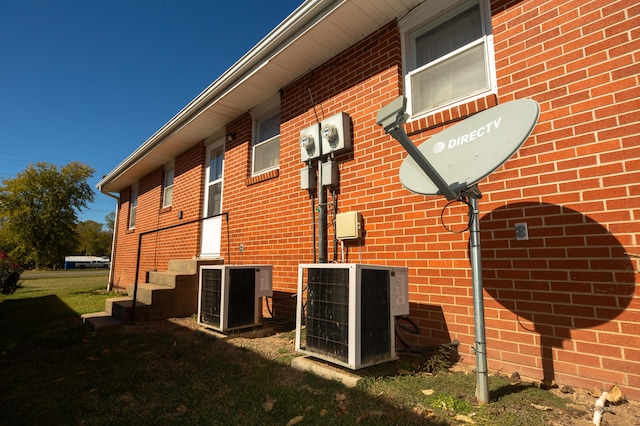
pixel 462 199
pixel 412 328
pixel 334 210
pixel 419 351
pixel 273 319
pixel 313 221
pixel 313 104
pixel 330 208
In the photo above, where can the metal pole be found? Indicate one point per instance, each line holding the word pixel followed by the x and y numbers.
pixel 480 348
pixel 391 117
pixel 135 284
pixel 322 218
pixel 400 135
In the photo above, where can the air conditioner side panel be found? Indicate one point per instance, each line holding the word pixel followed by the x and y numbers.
pixel 264 281
pixel 400 291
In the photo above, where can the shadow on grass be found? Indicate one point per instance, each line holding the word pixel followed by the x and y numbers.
pixel 56 371
pixel 38 323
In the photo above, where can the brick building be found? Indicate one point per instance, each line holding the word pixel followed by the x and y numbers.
pixel 563 303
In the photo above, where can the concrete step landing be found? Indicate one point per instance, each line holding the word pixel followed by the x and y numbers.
pixel 100 321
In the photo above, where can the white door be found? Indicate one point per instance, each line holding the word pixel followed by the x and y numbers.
pixel 212 227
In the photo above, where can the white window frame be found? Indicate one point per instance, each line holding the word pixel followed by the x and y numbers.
pixel 167 192
pixel 261 114
pixel 133 206
pixel 209 182
pixel 428 15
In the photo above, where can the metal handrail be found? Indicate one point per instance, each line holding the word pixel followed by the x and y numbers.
pixel 177 225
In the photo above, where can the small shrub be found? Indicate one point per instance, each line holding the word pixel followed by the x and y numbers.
pixel 9 274
pixel 441 358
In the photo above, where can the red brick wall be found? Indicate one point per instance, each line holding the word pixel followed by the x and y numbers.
pixel 157 248
pixel 570 291
pixel 563 304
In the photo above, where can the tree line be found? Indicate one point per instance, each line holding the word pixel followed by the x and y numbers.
pixel 39 210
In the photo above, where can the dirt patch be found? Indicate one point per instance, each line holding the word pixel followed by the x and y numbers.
pixel 280 347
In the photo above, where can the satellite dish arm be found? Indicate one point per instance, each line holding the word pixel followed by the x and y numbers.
pixel 391 117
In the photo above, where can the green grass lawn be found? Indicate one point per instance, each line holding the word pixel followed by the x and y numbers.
pixel 82 293
pixel 55 371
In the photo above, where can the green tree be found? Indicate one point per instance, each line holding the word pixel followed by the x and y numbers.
pixel 38 211
pixel 110 219
pixel 92 239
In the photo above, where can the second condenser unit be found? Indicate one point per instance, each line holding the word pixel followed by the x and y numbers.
pixel 348 312
pixel 229 295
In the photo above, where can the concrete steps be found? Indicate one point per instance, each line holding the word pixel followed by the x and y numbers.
pixel 167 294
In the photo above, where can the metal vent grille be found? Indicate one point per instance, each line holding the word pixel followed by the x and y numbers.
pixel 242 299
pixel 328 312
pixel 211 294
pixel 375 308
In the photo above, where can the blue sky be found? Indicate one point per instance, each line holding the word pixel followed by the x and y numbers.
pixel 91 80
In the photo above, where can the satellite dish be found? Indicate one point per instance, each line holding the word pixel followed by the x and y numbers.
pixel 472 149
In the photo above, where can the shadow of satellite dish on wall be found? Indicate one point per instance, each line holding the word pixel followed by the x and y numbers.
pixel 571 274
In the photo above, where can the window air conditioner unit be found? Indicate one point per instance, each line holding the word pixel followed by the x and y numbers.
pixel 229 295
pixel 348 311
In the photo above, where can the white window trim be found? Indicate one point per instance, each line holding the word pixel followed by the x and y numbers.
pixel 169 166
pixel 263 111
pixel 212 145
pixel 439 10
pixel 133 206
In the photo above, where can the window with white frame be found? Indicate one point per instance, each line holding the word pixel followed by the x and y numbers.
pixel 265 154
pixel 167 195
pixel 214 180
pixel 133 206
pixel 447 53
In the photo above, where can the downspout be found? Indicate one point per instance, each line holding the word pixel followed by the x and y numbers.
pixel 113 240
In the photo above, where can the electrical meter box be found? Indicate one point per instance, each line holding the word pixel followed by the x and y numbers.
pixel 310 142
pixel 336 133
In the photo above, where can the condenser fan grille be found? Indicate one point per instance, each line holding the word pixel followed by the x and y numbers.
pixel 242 290
pixel 375 310
pixel 328 312
pixel 211 293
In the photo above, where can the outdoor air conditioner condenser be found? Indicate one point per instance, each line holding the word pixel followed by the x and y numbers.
pixel 229 296
pixel 348 311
